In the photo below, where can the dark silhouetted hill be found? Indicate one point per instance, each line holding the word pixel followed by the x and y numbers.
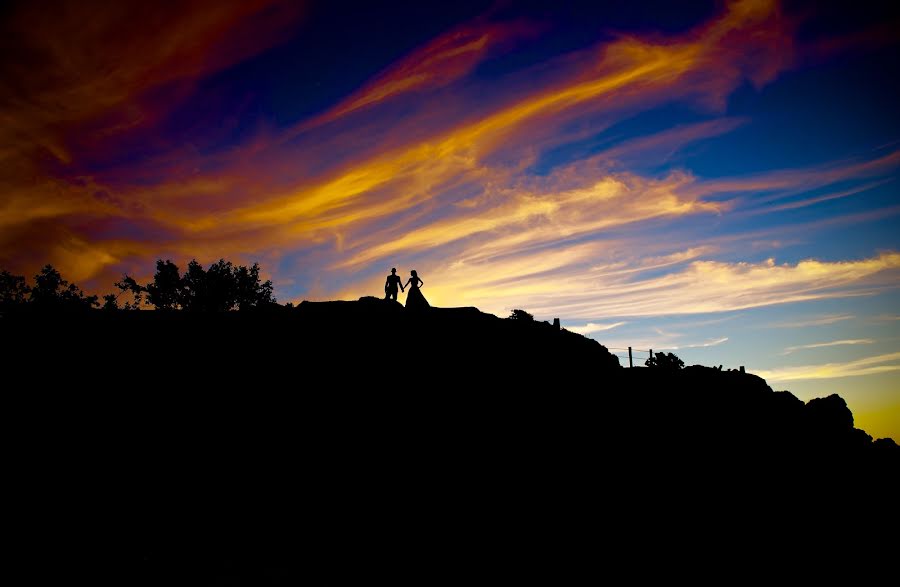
pixel 237 447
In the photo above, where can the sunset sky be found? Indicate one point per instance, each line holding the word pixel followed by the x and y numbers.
pixel 717 179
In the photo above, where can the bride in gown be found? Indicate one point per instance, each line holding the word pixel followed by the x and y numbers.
pixel 414 299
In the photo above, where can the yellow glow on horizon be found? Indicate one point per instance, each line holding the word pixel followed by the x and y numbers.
pixel 556 283
pixel 866 366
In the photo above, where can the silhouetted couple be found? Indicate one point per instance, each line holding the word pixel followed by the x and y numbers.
pixel 414 299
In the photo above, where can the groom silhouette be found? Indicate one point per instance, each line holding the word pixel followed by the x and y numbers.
pixel 390 286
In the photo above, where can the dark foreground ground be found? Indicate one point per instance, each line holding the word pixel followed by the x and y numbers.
pixel 355 439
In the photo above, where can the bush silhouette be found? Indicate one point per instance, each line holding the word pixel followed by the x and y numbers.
pixel 665 361
pixel 521 315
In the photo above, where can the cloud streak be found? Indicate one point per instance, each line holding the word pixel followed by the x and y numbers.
pixel 591 328
pixel 701 345
pixel 561 284
pixel 441 62
pixel 819 345
pixel 817 321
pixel 874 365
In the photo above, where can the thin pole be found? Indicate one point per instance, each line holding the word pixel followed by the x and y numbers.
pixel 630 364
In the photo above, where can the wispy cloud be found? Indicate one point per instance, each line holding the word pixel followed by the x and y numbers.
pixel 442 61
pixel 523 219
pixel 885 363
pixel 811 201
pixel 662 145
pixel 662 341
pixel 814 321
pixel 709 343
pixel 560 284
pixel 818 345
pixel 773 186
pixel 886 318
pixel 591 327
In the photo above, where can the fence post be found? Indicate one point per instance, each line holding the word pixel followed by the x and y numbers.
pixel 630 364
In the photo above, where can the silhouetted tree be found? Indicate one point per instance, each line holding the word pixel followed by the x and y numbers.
pixel 109 303
pixel 250 292
pixel 194 281
pixel 166 291
pixel 665 361
pixel 521 315
pixel 48 286
pixel 51 291
pixel 13 290
pixel 221 287
pixel 137 290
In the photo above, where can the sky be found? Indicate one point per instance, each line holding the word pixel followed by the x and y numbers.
pixel 714 179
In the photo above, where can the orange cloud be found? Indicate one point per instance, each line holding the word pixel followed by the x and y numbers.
pixel 410 175
pixel 439 63
pixel 77 61
pixel 526 219
pixel 77 79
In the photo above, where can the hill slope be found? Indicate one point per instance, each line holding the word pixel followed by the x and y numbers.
pixel 191 441
pixel 378 353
